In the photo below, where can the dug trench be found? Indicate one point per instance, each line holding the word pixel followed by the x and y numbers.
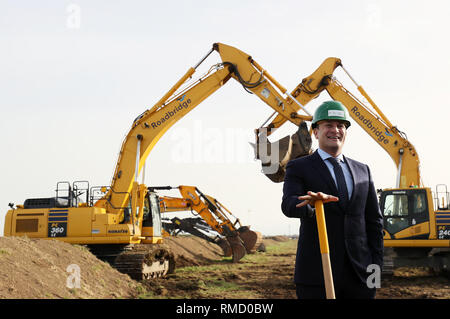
pixel 46 269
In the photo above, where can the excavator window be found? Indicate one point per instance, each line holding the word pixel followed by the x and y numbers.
pixel 419 203
pixel 395 212
pixel 147 220
pixel 155 213
pixel 403 208
pixel 152 215
pixel 146 217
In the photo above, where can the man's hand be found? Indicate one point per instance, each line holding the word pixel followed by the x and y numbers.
pixel 312 197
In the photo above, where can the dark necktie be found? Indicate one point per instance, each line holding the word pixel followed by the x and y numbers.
pixel 341 185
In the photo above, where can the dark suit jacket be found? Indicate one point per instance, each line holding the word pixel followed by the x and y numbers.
pixel 358 231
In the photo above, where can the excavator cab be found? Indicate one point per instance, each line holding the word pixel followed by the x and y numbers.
pixel 406 213
pixel 416 228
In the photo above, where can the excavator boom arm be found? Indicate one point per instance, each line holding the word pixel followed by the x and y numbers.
pixel 148 129
pixel 214 215
pixel 150 126
pixel 387 136
pixel 207 210
pixel 374 122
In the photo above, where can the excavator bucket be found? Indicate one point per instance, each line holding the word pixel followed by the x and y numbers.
pixel 237 248
pixel 275 156
pixel 252 239
pixel 232 246
pixel 246 242
pixel 226 248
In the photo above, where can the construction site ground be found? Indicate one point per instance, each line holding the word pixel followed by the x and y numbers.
pixel 43 269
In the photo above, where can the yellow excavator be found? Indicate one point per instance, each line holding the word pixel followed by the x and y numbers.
pixel 121 223
pixel 235 239
pixel 416 220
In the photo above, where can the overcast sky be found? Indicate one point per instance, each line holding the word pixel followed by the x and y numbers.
pixel 75 74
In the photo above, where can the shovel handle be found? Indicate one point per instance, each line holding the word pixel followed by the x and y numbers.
pixel 324 250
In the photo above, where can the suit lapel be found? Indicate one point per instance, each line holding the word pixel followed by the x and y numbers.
pixel 322 168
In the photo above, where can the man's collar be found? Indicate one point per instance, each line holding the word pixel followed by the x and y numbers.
pixel 324 155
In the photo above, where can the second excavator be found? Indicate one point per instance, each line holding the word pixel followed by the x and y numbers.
pixel 234 238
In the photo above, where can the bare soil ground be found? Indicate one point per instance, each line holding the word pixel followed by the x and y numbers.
pixel 263 275
pixel 414 283
pixel 38 269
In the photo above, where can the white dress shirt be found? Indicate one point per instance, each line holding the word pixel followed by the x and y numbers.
pixel 346 170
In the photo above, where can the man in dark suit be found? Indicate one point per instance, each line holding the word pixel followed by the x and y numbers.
pixel 353 218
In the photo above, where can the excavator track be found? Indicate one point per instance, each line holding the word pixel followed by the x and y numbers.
pixel 139 261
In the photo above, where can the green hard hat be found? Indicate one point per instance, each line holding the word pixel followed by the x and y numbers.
pixel 330 110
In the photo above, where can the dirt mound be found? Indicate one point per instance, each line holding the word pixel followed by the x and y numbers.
pixel 277 238
pixel 32 268
pixel 192 251
pixel 36 268
pixel 414 283
pixel 273 240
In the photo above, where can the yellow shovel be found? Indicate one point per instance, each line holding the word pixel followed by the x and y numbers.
pixel 323 241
